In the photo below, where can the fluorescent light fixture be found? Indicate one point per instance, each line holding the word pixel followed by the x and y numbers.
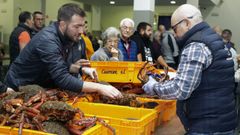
pixel 173 2
pixel 112 2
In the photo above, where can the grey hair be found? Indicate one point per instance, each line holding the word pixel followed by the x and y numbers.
pixel 126 20
pixel 110 32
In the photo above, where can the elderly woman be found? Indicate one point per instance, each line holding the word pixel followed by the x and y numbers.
pixel 109 51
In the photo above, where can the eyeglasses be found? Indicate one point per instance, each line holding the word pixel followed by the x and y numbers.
pixel 174 27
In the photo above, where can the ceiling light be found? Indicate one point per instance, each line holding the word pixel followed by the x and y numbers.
pixel 173 2
pixel 112 2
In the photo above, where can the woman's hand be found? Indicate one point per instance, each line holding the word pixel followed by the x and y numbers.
pixel 114 52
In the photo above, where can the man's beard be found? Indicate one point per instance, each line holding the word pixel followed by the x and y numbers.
pixel 146 36
pixel 39 27
pixel 69 38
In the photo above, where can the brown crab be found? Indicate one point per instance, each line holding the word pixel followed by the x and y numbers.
pixel 126 100
pixel 55 127
pixel 58 110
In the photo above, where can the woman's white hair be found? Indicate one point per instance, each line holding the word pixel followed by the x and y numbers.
pixel 110 32
pixel 126 20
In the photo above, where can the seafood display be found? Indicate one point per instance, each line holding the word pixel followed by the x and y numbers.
pixel 127 100
pixel 37 109
pixel 33 107
pixel 131 91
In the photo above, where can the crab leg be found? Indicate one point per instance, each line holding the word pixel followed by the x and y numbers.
pixel 101 121
pixel 34 98
pixel 5 118
pixel 21 124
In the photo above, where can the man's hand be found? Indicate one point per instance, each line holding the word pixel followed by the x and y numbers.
pixel 74 68
pixel 91 72
pixel 148 87
pixel 110 91
pixel 106 90
pixel 83 63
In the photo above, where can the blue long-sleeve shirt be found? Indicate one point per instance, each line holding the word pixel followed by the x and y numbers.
pixel 194 59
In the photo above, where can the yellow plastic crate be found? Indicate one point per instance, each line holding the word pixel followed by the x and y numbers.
pixel 126 120
pixel 5 130
pixel 117 72
pixel 95 130
pixel 166 109
pixel 169 112
pixel 121 71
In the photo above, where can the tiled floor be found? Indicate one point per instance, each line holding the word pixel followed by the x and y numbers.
pixel 173 127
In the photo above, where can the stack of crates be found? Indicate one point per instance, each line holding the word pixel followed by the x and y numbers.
pixel 126 72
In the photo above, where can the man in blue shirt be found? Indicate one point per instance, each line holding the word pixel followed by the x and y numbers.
pixel 127 46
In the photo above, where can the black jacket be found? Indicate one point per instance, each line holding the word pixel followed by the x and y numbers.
pixel 43 60
pixel 143 43
pixel 14 48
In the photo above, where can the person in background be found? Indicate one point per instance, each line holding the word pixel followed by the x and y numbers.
pixel 89 47
pixel 127 46
pixel 44 60
pixel 227 35
pixel 95 43
pixel 169 48
pixel 204 82
pixel 21 35
pixel 38 22
pixel 142 38
pixel 109 51
pixel 228 45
